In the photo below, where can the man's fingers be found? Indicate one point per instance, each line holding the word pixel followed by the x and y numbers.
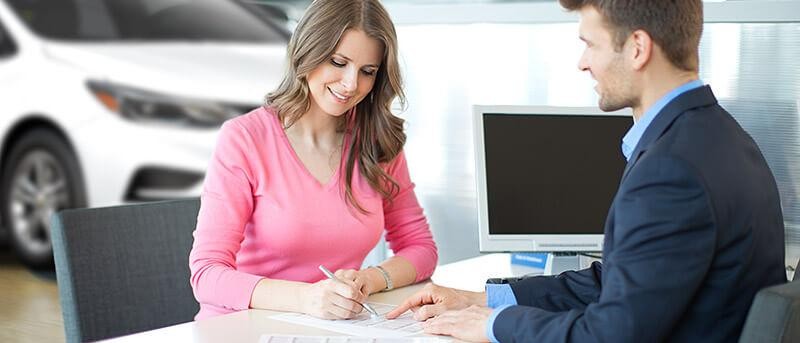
pixel 449 315
pixel 429 311
pixel 421 298
pixel 398 311
pixel 440 326
pixel 414 301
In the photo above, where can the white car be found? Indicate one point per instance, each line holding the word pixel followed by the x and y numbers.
pixel 113 101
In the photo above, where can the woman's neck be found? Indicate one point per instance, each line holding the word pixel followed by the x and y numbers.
pixel 317 129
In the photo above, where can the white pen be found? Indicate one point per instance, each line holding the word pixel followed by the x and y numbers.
pixel 333 277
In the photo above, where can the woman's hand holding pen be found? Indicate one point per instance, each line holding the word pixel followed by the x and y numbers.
pixel 332 299
pixel 368 281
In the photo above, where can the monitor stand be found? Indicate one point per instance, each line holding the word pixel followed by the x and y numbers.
pixel 559 262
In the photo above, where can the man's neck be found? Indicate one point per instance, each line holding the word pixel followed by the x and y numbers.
pixel 657 85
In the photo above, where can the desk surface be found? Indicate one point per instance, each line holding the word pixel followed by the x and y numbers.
pixel 248 326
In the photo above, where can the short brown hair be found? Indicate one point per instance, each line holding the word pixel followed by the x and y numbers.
pixel 675 25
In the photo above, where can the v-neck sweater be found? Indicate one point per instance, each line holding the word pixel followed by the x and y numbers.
pixel 263 214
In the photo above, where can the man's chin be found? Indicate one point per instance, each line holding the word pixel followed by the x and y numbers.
pixel 609 106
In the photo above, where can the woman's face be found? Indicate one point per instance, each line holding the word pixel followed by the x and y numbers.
pixel 348 75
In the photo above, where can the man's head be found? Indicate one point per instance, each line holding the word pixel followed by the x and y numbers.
pixel 625 37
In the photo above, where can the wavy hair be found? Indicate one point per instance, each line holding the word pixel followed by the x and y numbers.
pixel 377 135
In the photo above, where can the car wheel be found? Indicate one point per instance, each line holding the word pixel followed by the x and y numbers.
pixel 40 177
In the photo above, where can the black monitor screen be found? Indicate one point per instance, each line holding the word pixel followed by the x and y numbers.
pixel 552 174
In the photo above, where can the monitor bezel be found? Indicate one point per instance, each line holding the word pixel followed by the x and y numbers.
pixel 531 242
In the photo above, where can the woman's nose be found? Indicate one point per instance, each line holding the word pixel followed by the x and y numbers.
pixel 350 80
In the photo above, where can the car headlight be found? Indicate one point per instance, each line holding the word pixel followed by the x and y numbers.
pixel 145 106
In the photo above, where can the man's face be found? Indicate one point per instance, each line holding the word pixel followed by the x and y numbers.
pixel 606 65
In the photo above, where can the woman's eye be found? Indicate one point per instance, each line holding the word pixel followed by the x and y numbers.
pixel 368 72
pixel 337 63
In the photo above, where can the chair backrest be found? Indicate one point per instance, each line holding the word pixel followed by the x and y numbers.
pixel 796 272
pixel 124 269
pixel 775 314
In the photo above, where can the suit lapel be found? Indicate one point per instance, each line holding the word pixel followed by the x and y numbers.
pixel 698 97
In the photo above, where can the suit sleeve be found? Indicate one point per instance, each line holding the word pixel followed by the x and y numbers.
pixel 663 244
pixel 568 290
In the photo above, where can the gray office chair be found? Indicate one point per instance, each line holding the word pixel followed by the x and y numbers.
pixel 124 269
pixel 775 314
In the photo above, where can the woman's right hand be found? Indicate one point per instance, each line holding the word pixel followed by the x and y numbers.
pixel 332 299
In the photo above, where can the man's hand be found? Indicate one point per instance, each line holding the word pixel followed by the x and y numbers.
pixel 434 300
pixel 468 324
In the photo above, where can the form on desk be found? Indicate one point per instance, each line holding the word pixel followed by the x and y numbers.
pixel 362 325
pixel 345 339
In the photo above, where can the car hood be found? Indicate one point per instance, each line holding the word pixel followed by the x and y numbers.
pixel 239 73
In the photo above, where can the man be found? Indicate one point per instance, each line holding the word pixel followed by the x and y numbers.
pixel 695 229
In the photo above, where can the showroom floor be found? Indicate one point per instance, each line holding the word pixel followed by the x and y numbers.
pixel 29 307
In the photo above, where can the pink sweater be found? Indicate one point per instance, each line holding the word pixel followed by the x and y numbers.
pixel 263 214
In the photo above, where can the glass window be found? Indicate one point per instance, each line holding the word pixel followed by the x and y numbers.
pixel 148 20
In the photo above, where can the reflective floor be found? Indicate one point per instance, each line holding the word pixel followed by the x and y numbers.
pixel 29 307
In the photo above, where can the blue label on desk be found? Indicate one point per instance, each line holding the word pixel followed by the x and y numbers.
pixel 530 259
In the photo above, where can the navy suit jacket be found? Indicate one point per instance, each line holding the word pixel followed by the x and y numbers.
pixel 694 231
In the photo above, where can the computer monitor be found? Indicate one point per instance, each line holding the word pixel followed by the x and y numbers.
pixel 546 176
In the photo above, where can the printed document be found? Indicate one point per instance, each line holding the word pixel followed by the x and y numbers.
pixel 345 339
pixel 362 325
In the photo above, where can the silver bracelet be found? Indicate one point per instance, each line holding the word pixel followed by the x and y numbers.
pixel 389 285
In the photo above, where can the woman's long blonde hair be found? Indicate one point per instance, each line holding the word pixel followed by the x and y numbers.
pixel 377 134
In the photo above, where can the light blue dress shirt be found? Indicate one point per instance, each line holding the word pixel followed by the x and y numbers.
pixel 500 296
pixel 637 130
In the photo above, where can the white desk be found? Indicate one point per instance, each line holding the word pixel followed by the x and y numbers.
pixel 248 326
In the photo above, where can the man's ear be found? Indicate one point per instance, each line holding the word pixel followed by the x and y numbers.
pixel 641 45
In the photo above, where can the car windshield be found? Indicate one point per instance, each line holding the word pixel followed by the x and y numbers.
pixel 149 20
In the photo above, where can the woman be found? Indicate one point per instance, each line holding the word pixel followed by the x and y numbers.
pixel 313 178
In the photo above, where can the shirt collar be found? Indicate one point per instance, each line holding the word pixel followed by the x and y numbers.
pixel 639 126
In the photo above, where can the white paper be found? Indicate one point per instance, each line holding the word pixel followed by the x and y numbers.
pixel 362 325
pixel 345 339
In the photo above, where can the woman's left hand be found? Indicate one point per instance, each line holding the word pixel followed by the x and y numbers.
pixel 364 279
